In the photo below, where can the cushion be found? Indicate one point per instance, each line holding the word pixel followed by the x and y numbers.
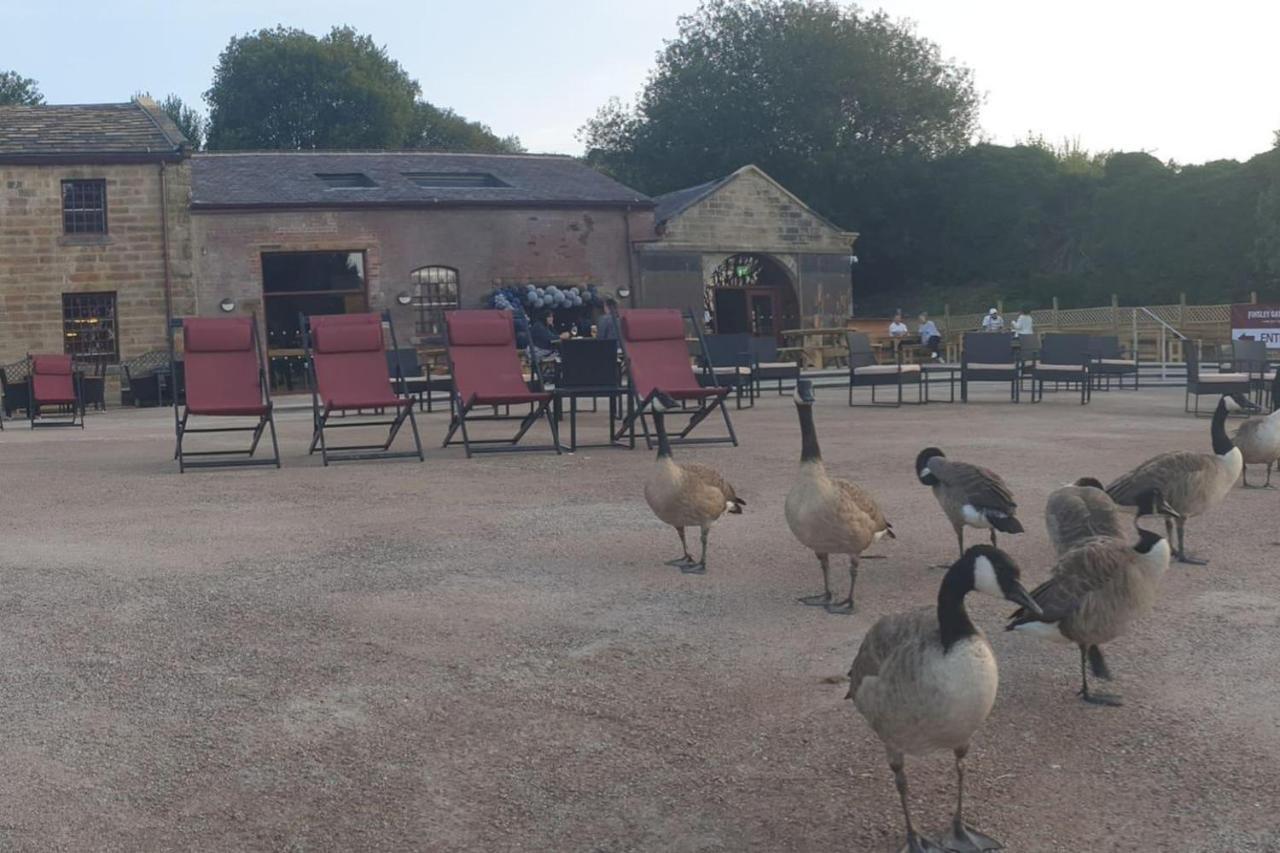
pixel 778 365
pixel 983 365
pixel 480 328
pixel 1119 362
pixel 652 324
pixel 51 365
pixel 1058 368
pixel 727 371
pixel 347 337
pixel 217 334
pixel 1223 377
pixel 885 369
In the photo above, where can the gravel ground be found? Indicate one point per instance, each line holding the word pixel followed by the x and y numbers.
pixel 490 655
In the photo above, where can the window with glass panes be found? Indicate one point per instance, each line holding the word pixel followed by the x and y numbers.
pixel 89 328
pixel 84 207
pixel 435 291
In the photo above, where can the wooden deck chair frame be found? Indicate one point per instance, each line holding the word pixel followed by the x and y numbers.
pixel 322 415
pixel 462 410
pixel 182 414
pixel 710 399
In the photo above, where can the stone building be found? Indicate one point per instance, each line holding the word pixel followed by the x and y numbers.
pixel 280 234
pixel 94 229
pixel 755 256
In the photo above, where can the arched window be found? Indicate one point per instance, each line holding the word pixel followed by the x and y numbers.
pixel 435 290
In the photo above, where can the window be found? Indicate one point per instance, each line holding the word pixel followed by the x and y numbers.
pixel 308 283
pixel 435 290
pixel 84 207
pixel 346 180
pixel 89 326
pixel 441 180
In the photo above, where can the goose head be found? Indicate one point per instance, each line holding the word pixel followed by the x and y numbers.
pixel 922 465
pixel 1091 483
pixel 803 395
pixel 1152 546
pixel 991 571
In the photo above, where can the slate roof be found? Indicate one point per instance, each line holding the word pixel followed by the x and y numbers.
pixel 676 202
pixel 89 133
pixel 289 179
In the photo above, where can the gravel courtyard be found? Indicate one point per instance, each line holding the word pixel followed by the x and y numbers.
pixel 491 655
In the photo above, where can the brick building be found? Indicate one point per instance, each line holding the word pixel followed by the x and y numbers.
pixel 94 229
pixel 749 251
pixel 284 233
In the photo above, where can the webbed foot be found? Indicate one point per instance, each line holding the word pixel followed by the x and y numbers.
pixel 820 600
pixel 841 608
pixel 966 839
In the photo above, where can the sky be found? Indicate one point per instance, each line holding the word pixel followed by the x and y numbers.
pixel 1189 82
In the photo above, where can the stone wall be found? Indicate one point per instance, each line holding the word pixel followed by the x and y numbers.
pixel 39 263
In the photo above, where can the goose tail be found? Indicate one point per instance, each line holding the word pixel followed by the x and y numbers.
pixel 1005 523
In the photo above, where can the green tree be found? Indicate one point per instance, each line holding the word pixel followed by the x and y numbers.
pixel 188 119
pixel 439 129
pixel 16 90
pixel 286 89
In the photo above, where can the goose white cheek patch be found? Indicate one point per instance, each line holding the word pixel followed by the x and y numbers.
pixel 984 578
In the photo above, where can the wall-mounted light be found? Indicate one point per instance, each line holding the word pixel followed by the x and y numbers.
pixel 624 292
pixel 853 260
pixel 403 297
pixel 227 305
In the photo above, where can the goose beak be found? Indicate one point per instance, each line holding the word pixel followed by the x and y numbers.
pixel 1019 595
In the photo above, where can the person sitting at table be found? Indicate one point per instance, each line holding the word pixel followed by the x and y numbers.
pixel 543 338
pixel 930 337
pixel 993 322
pixel 607 325
pixel 897 328
pixel 1023 324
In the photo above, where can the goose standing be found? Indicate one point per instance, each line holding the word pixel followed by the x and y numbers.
pixel 1259 439
pixel 1097 590
pixel 686 494
pixel 1084 511
pixel 926 680
pixel 970 495
pixel 829 515
pixel 1191 483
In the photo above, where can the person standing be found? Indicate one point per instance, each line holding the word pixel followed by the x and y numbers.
pixel 993 322
pixel 607 325
pixel 1023 324
pixel 930 337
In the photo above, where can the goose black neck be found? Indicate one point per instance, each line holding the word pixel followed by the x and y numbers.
pixel 953 619
pixel 664 446
pixel 1221 442
pixel 809 451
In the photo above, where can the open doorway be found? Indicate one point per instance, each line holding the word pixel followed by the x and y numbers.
pixel 296 283
pixel 752 294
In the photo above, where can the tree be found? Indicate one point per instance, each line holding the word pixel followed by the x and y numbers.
pixel 439 129
pixel 815 94
pixel 16 90
pixel 286 89
pixel 189 120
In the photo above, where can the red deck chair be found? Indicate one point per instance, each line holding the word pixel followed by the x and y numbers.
pixel 54 383
pixel 225 376
pixel 349 373
pixel 486 370
pixel 657 359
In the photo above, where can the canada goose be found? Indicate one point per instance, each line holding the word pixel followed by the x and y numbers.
pixel 831 516
pixel 686 494
pixel 1191 483
pixel 926 679
pixel 1097 589
pixel 1259 439
pixel 969 494
pixel 1084 511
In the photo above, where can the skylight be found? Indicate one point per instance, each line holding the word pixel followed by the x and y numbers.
pixel 443 180
pixel 346 180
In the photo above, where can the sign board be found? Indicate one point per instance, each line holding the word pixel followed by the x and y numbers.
pixel 1260 322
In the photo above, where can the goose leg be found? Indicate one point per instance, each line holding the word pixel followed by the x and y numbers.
pixel 1093 698
pixel 960 541
pixel 1267 485
pixel 993 537
pixel 825 598
pixel 1182 549
pixel 687 558
pixel 963 838
pixel 700 567
pixel 1244 477
pixel 846 606
pixel 915 843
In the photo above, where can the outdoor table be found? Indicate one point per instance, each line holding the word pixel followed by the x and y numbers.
pixel 814 346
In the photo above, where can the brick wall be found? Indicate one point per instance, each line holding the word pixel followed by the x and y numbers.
pixel 38 263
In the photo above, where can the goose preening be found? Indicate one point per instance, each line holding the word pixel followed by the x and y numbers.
pixel 829 515
pixel 1191 483
pixel 1097 590
pixel 926 680
pixel 1259 439
pixel 1083 511
pixel 687 494
pixel 970 495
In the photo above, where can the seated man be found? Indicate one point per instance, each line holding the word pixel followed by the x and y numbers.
pixel 1023 324
pixel 993 322
pixel 897 328
pixel 930 337
pixel 543 338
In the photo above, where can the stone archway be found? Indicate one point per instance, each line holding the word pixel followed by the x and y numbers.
pixel 752 293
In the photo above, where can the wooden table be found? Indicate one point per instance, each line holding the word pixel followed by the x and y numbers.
pixel 815 347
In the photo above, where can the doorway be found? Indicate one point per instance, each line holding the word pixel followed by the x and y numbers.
pixel 752 294
pixel 298 283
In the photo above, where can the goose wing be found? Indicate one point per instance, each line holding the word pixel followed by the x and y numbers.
pixel 854 501
pixel 1081 571
pixel 709 477
pixel 890 635
pixel 1168 472
pixel 981 487
pixel 1076 514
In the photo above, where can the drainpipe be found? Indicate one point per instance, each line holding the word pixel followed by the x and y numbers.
pixel 164 247
pixel 626 226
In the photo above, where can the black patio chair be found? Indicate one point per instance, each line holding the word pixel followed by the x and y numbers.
pixel 403 362
pixel 1250 356
pixel 1063 358
pixel 769 366
pixel 728 363
pixel 1109 360
pixel 864 372
pixel 1027 348
pixel 589 369
pixel 93 383
pixel 1201 383
pixel 989 357
pixel 15 387
pixel 147 380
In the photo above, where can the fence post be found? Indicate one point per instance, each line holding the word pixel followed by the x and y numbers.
pixel 1000 306
pixel 1253 297
pixel 1134 315
pixel 1115 311
pixel 1055 312
pixel 1182 310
